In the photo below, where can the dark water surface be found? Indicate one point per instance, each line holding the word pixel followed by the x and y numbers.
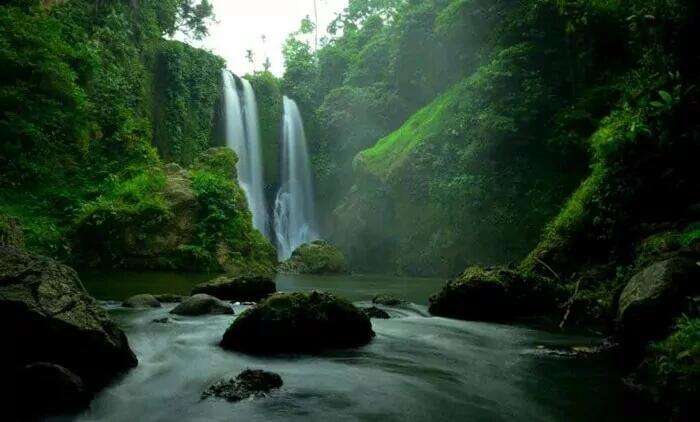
pixel 417 368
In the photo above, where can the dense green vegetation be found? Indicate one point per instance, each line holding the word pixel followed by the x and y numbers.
pixel 512 105
pixel 93 103
pixel 185 93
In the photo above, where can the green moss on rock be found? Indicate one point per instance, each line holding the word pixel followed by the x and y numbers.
pixel 298 323
pixel 167 217
pixel 670 375
pixel 316 257
pixel 495 294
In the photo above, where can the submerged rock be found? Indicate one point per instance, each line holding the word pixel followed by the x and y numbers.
pixel 494 294
pixel 297 322
pixel 251 382
pixel 374 312
pixel 161 320
pixel 317 257
pixel 47 316
pixel 242 288
pixel 656 295
pixel 141 301
pixel 169 298
pixel 387 300
pixel 202 304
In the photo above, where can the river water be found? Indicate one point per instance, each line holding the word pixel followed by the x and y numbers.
pixel 417 368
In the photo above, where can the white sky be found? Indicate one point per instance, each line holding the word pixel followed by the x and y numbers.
pixel 241 24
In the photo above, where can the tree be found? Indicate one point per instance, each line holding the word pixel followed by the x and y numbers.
pixel 190 17
pixel 250 56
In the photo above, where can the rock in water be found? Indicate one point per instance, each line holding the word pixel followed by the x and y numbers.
pixel 47 316
pixel 251 382
pixel 242 288
pixel 141 301
pixel 387 300
pixel 202 304
pixel 656 295
pixel 298 323
pixel 317 257
pixel 495 294
pixel 374 312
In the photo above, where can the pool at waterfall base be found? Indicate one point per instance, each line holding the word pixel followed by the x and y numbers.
pixel 417 368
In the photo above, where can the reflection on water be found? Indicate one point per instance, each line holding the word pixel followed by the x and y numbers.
pixel 417 368
pixel 121 285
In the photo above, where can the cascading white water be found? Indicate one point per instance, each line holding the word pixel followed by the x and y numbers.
pixel 294 209
pixel 243 136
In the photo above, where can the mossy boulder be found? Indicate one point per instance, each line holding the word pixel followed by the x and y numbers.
pixel 655 296
pixel 241 288
pixel 495 294
pixel 316 257
pixel 298 323
pixel 47 316
pixel 202 304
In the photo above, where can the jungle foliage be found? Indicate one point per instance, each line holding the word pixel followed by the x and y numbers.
pixel 470 122
pixel 93 102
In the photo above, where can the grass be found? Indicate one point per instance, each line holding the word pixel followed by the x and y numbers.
pixel 390 151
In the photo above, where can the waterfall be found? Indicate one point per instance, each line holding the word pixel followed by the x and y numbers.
pixel 243 136
pixel 294 207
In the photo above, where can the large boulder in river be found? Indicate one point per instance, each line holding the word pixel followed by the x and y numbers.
pixel 47 316
pixel 656 295
pixel 249 383
pixel 494 294
pixel 316 257
pixel 141 301
pixel 241 288
pixel 298 323
pixel 202 304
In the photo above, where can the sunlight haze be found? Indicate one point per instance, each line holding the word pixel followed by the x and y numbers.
pixel 240 25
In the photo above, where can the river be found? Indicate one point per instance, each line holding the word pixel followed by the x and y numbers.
pixel 417 368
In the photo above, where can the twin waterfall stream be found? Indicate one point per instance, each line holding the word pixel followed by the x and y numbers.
pixel 293 210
